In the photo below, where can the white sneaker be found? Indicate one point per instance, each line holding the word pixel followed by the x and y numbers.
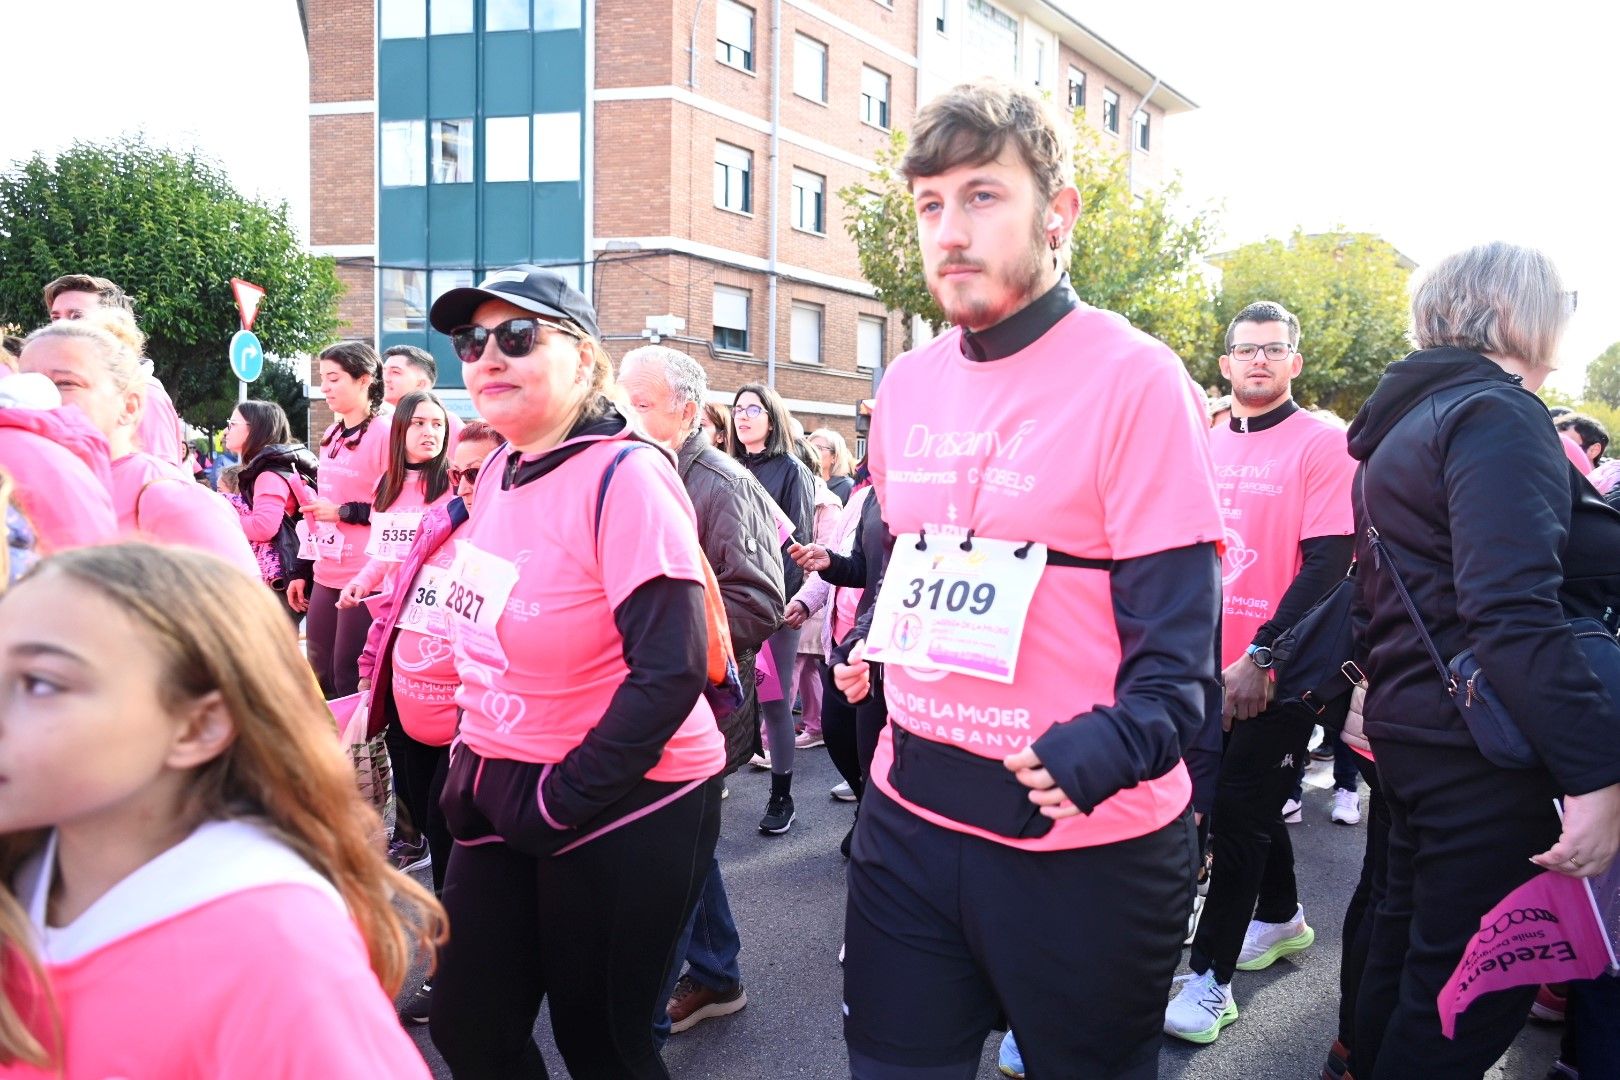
pixel 761 761
pixel 1192 923
pixel 1291 811
pixel 1346 807
pixel 1265 943
pixel 1201 1009
pixel 843 792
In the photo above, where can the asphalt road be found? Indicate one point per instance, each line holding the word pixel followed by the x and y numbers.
pixel 787 893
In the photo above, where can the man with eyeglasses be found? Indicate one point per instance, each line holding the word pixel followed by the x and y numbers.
pixel 1283 476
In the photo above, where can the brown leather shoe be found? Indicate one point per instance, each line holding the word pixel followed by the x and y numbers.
pixel 692 1003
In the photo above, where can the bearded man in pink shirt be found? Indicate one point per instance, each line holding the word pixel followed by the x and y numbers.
pixel 1046 627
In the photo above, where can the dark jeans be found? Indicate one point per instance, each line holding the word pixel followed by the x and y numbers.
pixel 1358 916
pixel 334 640
pixel 591 931
pixel 1252 876
pixel 1461 835
pixel 948 934
pixel 708 947
pixel 1346 763
pixel 419 773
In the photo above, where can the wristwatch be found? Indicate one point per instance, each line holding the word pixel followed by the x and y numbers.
pixel 1260 654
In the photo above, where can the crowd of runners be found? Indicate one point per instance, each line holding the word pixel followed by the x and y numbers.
pixel 1033 627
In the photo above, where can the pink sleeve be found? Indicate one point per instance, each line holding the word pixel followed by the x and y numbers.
pixel 177 512
pixel 647 529
pixel 272 498
pixel 159 430
pixel 61 498
pixel 1164 498
pixel 1329 472
pixel 371 575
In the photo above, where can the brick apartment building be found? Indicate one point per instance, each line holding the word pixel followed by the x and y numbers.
pixel 650 149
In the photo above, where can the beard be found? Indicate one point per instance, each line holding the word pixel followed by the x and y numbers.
pixel 1010 287
pixel 1256 397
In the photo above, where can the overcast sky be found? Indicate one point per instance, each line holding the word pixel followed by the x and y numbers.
pixel 1436 125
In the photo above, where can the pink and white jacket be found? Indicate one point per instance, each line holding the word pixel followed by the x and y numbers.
pixel 63 482
pixel 227 957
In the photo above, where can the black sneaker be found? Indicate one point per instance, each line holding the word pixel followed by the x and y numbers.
pixel 417 1009
pixel 410 857
pixel 778 815
pixel 849 838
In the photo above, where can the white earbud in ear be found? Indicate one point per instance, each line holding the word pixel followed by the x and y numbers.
pixel 1054 222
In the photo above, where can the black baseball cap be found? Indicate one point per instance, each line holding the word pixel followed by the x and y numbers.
pixel 533 288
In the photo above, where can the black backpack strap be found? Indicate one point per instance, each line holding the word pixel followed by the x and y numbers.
pixel 607 477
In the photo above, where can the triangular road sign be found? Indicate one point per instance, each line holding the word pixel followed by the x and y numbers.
pixel 248 296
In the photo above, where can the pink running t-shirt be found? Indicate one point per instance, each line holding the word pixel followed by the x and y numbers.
pixel 159 502
pixel 350 475
pixel 1044 445
pixel 1277 487
pixel 562 655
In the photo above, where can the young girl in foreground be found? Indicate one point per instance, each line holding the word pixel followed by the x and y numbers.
pixel 189 886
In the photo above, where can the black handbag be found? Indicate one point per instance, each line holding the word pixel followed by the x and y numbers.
pixel 1314 660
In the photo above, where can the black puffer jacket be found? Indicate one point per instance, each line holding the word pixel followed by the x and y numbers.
pixel 790 484
pixel 1499 542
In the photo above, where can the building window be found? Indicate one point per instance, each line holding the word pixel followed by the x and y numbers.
pixel 1143 123
pixel 809 201
pixel 809 68
pixel 990 41
pixel 869 342
pixel 733 178
pixel 1077 88
pixel 404 162
pixel 734 32
pixel 805 348
pixel 939 15
pixel 556 14
pixel 442 281
pixel 507 14
pixel 404 301
pixel 402 19
pixel 451 145
pixel 556 147
pixel 1111 111
pixel 730 319
pixel 452 16
pixel 874 97
pixel 506 149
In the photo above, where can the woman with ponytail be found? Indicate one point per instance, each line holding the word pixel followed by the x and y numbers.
pixel 188 880
pixel 354 457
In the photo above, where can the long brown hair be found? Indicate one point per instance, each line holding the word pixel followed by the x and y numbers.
pixel 220 631
pixel 435 472
pixel 779 440
pixel 358 360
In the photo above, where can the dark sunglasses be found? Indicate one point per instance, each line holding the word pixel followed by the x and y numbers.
pixel 514 337
pixel 469 474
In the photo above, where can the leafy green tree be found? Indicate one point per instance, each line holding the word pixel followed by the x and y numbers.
pixel 1349 291
pixel 1130 253
pixel 171 229
pixel 1603 377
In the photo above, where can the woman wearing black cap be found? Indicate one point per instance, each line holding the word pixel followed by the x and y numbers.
pixel 584 790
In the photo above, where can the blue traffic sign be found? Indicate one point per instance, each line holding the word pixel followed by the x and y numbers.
pixel 247 355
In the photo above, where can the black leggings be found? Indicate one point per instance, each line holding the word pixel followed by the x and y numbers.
pixel 1358 915
pixel 852 731
pixel 335 640
pixel 592 931
pixel 419 772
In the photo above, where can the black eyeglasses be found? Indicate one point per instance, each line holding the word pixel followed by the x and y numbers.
pixel 753 412
pixel 1276 350
pixel 469 474
pixel 514 337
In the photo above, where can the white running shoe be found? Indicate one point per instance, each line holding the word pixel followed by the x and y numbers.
pixel 1292 811
pixel 1192 923
pixel 1265 943
pixel 1201 1009
pixel 843 792
pixel 761 761
pixel 1346 807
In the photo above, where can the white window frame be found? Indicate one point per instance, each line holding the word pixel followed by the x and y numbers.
pixel 402 153
pixel 558 152
pixel 1110 109
pixel 801 43
pixel 742 162
pixel 798 348
pixel 724 47
pixel 809 193
pixel 875 110
pixel 726 298
pixel 1142 130
pixel 865 325
pixel 1077 78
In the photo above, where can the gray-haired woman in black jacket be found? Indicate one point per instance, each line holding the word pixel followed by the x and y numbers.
pixel 1500 543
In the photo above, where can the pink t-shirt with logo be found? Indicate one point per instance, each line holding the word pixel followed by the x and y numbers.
pixel 412 499
pixel 563 656
pixel 159 502
pixel 350 476
pixel 1277 487
pixel 1044 445
pixel 424 677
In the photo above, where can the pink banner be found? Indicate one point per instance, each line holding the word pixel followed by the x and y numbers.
pixel 1545 931
pixel 765 677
